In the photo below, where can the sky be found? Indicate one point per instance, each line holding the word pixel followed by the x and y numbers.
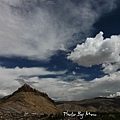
pixel 68 49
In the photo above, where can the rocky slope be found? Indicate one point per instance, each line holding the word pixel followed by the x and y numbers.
pixel 28 100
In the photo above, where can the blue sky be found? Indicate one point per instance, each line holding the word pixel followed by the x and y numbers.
pixel 66 48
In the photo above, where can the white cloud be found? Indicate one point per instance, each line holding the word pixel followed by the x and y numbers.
pixel 79 88
pixel 114 95
pixel 36 29
pixel 111 68
pixel 104 86
pixel 97 51
pixel 56 88
pixel 16 72
pixel 10 78
pixel 60 90
pixel 74 73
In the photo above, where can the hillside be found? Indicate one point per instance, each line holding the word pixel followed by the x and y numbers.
pixel 28 100
pixel 28 103
pixel 99 104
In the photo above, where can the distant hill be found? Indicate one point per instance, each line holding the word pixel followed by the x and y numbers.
pixel 99 104
pixel 29 103
pixel 28 100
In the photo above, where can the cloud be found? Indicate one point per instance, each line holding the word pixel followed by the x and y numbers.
pixel 61 90
pixel 114 95
pixel 104 86
pixel 111 68
pixel 36 29
pixel 79 88
pixel 97 51
pixel 57 88
pixel 12 78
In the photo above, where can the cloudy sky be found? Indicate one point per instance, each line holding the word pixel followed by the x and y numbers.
pixel 69 49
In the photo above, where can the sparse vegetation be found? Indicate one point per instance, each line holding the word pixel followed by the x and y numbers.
pixel 29 104
pixel 31 116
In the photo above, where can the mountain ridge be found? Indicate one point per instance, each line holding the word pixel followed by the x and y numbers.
pixel 98 104
pixel 28 99
pixel 28 88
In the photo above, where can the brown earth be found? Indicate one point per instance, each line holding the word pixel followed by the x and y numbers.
pixel 99 104
pixel 28 100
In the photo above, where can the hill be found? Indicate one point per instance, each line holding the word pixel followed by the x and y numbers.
pixel 99 104
pixel 28 100
pixel 28 103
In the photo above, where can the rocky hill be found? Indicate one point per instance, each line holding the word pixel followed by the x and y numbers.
pixel 28 100
pixel 29 103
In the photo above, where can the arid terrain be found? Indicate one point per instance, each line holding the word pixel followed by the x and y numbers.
pixel 28 103
pixel 99 104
